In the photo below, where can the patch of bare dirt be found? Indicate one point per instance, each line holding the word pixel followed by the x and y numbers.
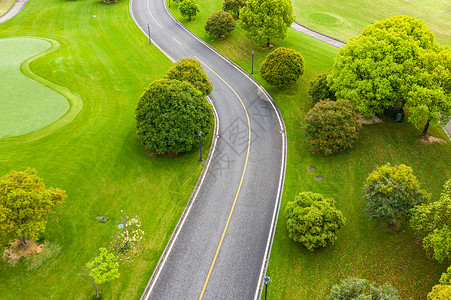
pixel 15 251
pixel 428 139
pixel 371 120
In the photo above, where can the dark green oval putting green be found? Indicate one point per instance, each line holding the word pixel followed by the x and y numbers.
pixel 324 18
pixel 25 105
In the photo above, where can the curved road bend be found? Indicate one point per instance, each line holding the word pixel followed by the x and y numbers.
pixel 246 172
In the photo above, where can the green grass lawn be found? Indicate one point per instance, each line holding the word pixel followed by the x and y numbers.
pixel 5 5
pixel 34 104
pixel 347 18
pixel 104 61
pixel 364 248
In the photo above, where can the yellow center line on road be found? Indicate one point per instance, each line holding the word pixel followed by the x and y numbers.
pixel 176 41
pixel 239 187
pixel 148 8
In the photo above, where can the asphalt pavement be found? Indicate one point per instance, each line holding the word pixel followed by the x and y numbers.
pixel 220 247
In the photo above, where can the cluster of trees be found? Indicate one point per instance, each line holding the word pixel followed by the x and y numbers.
pixel 356 288
pixel 25 205
pixel 174 109
pixel 313 220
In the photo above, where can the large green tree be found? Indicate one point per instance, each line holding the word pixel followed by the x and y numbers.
pixel 190 70
pixel 170 113
pixel 282 67
pixel 219 24
pixel 103 268
pixel 313 220
pixel 432 222
pixel 266 20
pixel 25 204
pixel 392 63
pixel 233 6
pixel 188 9
pixel 356 288
pixel 390 192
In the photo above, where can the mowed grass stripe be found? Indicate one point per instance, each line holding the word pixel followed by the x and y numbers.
pixel 97 157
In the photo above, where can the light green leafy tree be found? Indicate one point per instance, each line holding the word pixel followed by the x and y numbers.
pixel 188 9
pixel 445 279
pixel 440 292
pixel 392 63
pixel 25 204
pixel 432 222
pixel 219 24
pixel 313 220
pixel 103 268
pixel 282 67
pixel 170 113
pixel 266 20
pixel 356 288
pixel 190 70
pixel 390 192
pixel 233 6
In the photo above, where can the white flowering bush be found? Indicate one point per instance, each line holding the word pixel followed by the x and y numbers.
pixel 127 243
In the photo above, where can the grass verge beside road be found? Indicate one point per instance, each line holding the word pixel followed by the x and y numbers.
pixel 364 248
pixel 97 157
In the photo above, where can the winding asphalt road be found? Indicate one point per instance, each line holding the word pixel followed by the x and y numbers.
pixel 221 245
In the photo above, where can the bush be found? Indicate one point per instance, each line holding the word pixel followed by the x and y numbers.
pixel 282 67
pixel 356 288
pixel 190 70
pixel 313 220
pixel 440 292
pixel 220 23
pixel 319 90
pixel 188 9
pixel 390 193
pixel 169 114
pixel 233 6
pixel 331 127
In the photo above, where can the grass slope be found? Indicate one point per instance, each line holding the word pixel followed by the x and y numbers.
pixel 364 248
pixel 96 158
pixel 347 18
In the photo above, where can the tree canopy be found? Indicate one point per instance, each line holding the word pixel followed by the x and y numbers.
pixel 266 20
pixel 440 292
pixel 170 113
pixel 190 70
pixel 220 23
pixel 331 127
pixel 282 67
pixel 356 288
pixel 103 268
pixel 188 9
pixel 25 204
pixel 432 222
pixel 390 192
pixel 392 63
pixel 319 90
pixel 233 6
pixel 313 220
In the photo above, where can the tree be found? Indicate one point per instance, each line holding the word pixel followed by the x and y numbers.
pixel 430 95
pixel 331 127
pixel 25 204
pixel 282 67
pixel 219 23
pixel 440 292
pixel 445 279
pixel 188 9
pixel 169 114
pixel 190 70
pixel 376 70
pixel 390 192
pixel 356 288
pixel 233 6
pixel 103 268
pixel 265 20
pixel 319 90
pixel 432 222
pixel 313 220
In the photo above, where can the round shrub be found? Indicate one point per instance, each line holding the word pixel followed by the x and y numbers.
pixel 220 23
pixel 313 220
pixel 169 114
pixel 282 67
pixel 331 127
pixel 356 288
pixel 190 70
pixel 440 292
pixel 319 90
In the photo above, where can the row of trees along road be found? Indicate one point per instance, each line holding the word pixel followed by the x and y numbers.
pixel 396 63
